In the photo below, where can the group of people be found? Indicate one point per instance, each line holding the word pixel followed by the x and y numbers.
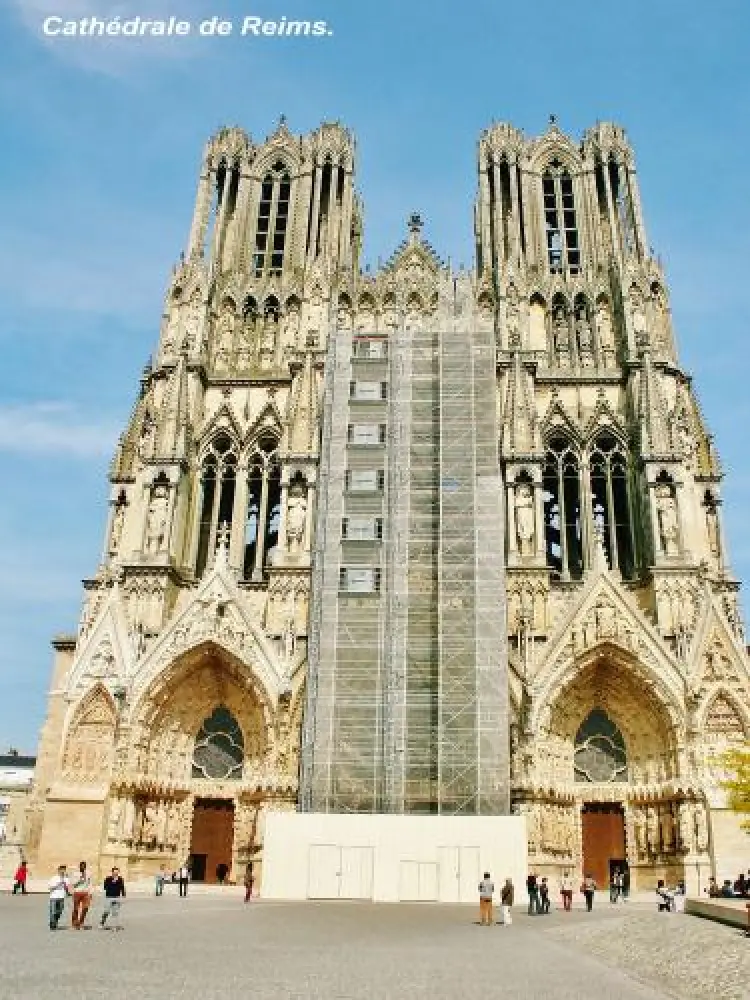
pixel 538 891
pixel 81 888
pixel 181 877
pixel 486 898
pixel 739 889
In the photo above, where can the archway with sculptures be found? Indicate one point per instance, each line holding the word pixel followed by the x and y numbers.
pixel 201 756
pixel 605 784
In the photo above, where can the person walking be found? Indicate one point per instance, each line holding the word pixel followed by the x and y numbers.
pixel 19 879
pixel 486 892
pixel 160 879
pixel 588 888
pixel 249 881
pixel 544 896
pixel 59 888
pixel 183 877
pixel 615 886
pixel 114 893
pixel 533 890
pixel 506 902
pixel 566 891
pixel 82 890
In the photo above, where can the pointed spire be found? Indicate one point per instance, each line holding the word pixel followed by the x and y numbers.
pixel 519 419
pixel 654 431
pixel 303 414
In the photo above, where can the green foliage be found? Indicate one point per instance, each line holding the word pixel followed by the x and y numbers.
pixel 737 765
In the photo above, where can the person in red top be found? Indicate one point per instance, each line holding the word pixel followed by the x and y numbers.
pixel 19 879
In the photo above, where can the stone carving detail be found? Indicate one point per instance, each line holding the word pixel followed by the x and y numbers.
pixel 666 512
pixel 525 519
pixel 296 520
pixel 156 520
pixel 89 747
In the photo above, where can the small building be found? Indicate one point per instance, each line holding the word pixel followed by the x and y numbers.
pixel 16 776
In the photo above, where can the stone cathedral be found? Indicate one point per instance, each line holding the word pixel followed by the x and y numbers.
pixel 418 540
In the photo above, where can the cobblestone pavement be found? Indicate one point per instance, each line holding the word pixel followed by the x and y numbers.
pixel 214 946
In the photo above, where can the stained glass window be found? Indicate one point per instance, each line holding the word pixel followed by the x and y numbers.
pixel 600 754
pixel 219 747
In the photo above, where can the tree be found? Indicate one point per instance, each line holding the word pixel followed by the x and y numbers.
pixel 736 763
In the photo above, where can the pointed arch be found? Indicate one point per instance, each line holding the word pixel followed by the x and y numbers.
pixel 724 719
pixel 89 742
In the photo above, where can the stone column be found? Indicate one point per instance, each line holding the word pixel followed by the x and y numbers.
pixel 200 215
pixel 260 545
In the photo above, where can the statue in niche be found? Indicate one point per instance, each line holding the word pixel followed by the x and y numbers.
pixel 685 826
pixel 156 520
pixel 641 832
pixel 115 819
pixel 118 520
pixel 296 519
pixel 560 336
pixel 193 318
pixel 712 528
pixel 584 339
pixel 667 828
pixel 290 327
pixel 604 331
pixel 344 318
pixel 269 338
pixel 525 519
pixel 701 829
pixel 666 512
pixel 652 830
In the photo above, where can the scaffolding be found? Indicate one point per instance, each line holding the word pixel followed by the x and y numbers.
pixel 407 682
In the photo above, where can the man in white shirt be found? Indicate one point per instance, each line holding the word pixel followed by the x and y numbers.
pixel 59 888
pixel 183 877
pixel 486 892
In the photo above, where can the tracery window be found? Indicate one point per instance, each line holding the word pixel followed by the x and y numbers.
pixel 563 248
pixel 562 509
pixel 600 754
pixel 610 503
pixel 217 489
pixel 219 749
pixel 263 508
pixel 273 220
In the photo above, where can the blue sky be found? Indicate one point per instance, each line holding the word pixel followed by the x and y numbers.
pixel 101 142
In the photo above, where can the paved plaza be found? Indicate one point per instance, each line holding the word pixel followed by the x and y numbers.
pixel 213 945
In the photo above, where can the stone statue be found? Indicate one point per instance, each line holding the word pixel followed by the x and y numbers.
pixel 701 829
pixel 666 508
pixel 115 819
pixel 712 529
pixel 641 832
pixel 296 519
pixel 604 327
pixel 606 621
pixel 685 826
pixel 584 340
pixel 666 822
pixel 156 520
pixel 524 496
pixel 560 335
pixel 289 638
pixel 652 830
pixel 118 520
pixel 290 327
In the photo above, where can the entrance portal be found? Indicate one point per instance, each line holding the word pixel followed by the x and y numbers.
pixel 212 838
pixel 603 836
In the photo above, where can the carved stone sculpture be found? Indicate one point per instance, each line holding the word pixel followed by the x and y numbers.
pixel 156 520
pixel 525 519
pixel 296 519
pixel 666 507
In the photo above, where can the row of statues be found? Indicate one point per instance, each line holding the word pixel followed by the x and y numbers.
pixel 670 827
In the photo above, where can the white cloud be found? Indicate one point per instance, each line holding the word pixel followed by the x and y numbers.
pixel 111 55
pixel 51 428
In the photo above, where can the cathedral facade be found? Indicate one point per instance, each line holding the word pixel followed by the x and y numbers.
pixel 412 541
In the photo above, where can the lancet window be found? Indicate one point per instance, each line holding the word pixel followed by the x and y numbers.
pixel 562 509
pixel 587 499
pixel 217 491
pixel 610 502
pixel 273 220
pixel 563 247
pixel 263 514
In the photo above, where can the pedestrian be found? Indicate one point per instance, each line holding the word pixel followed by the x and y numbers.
pixel 59 888
pixel 566 891
pixel 248 881
pixel 82 890
pixel 588 888
pixel 533 890
pixel 486 892
pixel 506 902
pixel 19 879
pixel 161 878
pixel 615 886
pixel 114 893
pixel 625 884
pixel 222 870
pixel 183 877
pixel 544 896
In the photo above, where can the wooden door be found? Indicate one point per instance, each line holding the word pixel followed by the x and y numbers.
pixel 603 835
